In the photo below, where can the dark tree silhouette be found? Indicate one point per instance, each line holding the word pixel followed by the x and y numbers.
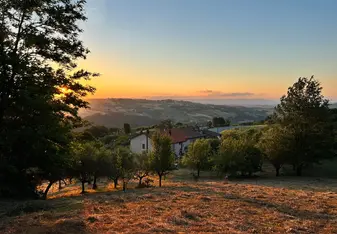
pixel 39 102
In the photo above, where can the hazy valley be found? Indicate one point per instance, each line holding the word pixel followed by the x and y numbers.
pixel 142 112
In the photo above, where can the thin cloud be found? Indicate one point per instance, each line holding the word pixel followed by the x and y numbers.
pixel 215 93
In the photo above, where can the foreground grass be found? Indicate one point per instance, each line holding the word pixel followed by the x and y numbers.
pixel 284 205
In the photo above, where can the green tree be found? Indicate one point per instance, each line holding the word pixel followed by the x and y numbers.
pixel 101 163
pixel 220 122
pixel 275 144
pixel 166 124
pixel 85 155
pixel 239 152
pixel 122 166
pixel 333 113
pixel 142 166
pixel 98 131
pixel 304 113
pixel 215 145
pixel 55 168
pixel 198 155
pixel 162 156
pixel 127 128
pixel 40 88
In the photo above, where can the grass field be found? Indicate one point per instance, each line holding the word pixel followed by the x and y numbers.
pixel 270 205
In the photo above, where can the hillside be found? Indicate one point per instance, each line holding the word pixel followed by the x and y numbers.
pixel 277 205
pixel 141 112
pixel 333 105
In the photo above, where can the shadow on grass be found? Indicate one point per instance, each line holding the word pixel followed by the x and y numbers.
pixel 68 226
pixel 301 214
pixel 16 208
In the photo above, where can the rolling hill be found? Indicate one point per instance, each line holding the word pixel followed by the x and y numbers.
pixel 142 112
pixel 333 105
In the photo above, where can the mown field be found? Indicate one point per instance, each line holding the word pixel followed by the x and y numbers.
pixel 264 205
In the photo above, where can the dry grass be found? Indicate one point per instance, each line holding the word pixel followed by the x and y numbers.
pixel 284 205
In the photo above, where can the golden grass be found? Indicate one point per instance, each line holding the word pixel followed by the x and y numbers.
pixel 254 206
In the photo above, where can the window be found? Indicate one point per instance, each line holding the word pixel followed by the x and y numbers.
pixel 143 146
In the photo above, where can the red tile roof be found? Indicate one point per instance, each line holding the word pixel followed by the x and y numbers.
pixel 182 134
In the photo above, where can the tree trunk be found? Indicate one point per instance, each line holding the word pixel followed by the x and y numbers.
pixel 299 170
pixel 60 185
pixel 115 182
pixel 140 181
pixel 47 190
pixel 94 185
pixel 83 189
pixel 277 168
pixel 198 172
pixel 4 96
pixel 160 175
pixel 124 186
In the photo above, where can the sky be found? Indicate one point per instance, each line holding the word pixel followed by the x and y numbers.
pixel 210 49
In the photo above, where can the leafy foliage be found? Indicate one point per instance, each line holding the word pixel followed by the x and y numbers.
pixel 198 155
pixel 275 145
pixel 127 128
pixel 239 152
pixel 40 89
pixel 122 165
pixel 85 155
pixel 142 166
pixel 220 122
pixel 305 115
pixel 162 156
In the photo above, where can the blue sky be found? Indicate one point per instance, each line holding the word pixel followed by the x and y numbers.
pixel 184 47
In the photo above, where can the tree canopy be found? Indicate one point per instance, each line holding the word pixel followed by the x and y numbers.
pixel 40 88
pixel 198 155
pixel 162 156
pixel 220 122
pixel 305 114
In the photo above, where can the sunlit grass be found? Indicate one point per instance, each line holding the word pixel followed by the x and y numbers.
pixel 271 205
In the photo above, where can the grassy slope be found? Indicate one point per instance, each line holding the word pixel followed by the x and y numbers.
pixel 277 205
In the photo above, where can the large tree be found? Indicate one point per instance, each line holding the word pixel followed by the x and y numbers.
pixel 40 88
pixel 304 113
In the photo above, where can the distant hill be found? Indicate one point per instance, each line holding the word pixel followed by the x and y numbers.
pixel 333 105
pixel 142 112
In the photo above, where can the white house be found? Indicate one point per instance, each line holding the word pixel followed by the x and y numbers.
pixel 181 139
pixel 140 143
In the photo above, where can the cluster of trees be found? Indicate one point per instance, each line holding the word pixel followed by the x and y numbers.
pixel 218 122
pixel 237 152
pixel 301 132
pixel 89 160
pixel 41 91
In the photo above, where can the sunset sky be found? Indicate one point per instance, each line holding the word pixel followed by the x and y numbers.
pixel 234 49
